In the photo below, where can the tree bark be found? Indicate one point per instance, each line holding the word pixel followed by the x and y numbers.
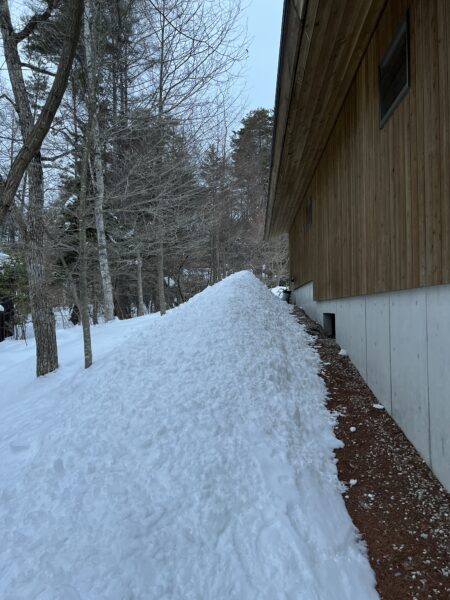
pixel 98 176
pixel 105 273
pixel 35 260
pixel 141 305
pixel 179 280
pixel 29 159
pixel 33 134
pixel 84 306
pixel 217 255
pixel 94 307
pixel 160 286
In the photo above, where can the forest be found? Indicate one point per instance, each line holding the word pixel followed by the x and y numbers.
pixel 132 175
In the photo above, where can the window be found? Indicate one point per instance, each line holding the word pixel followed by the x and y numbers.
pixel 394 72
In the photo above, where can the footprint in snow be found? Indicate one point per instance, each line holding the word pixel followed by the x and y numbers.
pixel 19 447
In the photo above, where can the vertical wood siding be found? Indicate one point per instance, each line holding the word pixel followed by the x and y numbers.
pixel 381 197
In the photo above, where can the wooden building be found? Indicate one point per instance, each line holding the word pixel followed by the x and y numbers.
pixel 361 181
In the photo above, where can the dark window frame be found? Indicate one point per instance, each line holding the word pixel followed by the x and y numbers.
pixel 402 31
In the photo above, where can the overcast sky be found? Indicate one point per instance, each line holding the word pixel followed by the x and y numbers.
pixel 263 19
pixel 264 29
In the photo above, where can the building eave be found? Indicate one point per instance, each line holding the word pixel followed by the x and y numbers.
pixel 291 31
pixel 322 45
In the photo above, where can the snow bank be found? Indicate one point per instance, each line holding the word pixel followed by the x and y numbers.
pixel 194 460
pixel 278 290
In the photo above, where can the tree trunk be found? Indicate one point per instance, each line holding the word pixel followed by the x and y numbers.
pixel 94 306
pixel 161 293
pixel 90 22
pixel 33 134
pixel 179 282
pixel 141 305
pixel 84 306
pixel 215 256
pixel 41 308
pixel 105 273
pixel 217 253
pixel 28 158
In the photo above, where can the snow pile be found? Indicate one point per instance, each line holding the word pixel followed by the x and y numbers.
pixel 194 460
pixel 278 290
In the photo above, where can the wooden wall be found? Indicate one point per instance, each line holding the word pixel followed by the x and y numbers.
pixel 381 197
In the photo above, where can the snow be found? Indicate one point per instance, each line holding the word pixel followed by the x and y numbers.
pixel 378 406
pixel 343 352
pixel 278 290
pixel 2 308
pixel 193 460
pixel 170 282
pixel 4 258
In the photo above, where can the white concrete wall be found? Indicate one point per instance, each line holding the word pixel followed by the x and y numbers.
pixel 438 335
pixel 400 343
pixel 378 339
pixel 303 297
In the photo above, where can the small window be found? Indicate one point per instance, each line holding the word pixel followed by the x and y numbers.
pixel 394 72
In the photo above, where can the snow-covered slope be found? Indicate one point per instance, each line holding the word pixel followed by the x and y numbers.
pixel 194 460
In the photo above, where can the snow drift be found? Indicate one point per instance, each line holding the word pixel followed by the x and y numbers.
pixel 194 460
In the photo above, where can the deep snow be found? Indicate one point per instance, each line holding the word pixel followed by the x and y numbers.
pixel 194 460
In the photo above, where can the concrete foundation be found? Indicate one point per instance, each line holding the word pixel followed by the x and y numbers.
pixel 400 344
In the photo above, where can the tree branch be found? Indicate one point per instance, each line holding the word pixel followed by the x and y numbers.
pixel 35 20
pixel 36 133
pixel 37 69
pixel 6 97
pixel 57 157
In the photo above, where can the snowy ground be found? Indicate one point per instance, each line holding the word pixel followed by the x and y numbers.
pixel 278 290
pixel 194 460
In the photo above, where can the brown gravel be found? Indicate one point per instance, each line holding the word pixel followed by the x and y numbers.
pixel 401 510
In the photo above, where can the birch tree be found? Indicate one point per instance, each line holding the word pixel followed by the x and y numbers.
pixel 92 43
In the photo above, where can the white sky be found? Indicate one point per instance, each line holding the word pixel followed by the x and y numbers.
pixel 264 31
pixel 263 19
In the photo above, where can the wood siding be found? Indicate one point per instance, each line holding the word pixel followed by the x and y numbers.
pixel 322 47
pixel 381 197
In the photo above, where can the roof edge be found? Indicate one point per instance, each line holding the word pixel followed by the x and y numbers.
pixel 299 6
